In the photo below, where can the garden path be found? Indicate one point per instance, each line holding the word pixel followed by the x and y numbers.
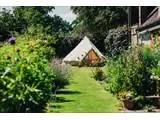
pixel 84 94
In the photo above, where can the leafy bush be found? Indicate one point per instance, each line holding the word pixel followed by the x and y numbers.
pixel 156 69
pixel 26 83
pixel 150 108
pixel 132 71
pixel 125 95
pixel 62 72
pixel 99 74
pixel 116 41
pixel 140 102
pixel 44 41
pixel 114 76
pixel 46 48
pixel 66 44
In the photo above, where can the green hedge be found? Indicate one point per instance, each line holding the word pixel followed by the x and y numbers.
pixel 26 83
pixel 132 72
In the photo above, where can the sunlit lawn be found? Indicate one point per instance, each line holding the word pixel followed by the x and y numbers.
pixel 84 94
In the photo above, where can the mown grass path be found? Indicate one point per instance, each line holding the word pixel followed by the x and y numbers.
pixel 84 94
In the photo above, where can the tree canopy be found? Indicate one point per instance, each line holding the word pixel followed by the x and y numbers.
pixel 21 18
pixel 99 20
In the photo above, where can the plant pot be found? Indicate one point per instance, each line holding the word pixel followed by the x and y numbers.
pixel 158 102
pixel 128 104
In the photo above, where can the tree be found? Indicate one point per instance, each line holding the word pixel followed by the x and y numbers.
pixel 116 41
pixel 31 16
pixel 27 16
pixel 22 17
pixel 99 20
pixel 70 40
pixel 7 23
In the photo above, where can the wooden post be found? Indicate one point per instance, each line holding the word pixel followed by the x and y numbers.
pixel 129 24
pixel 139 16
pixel 139 23
pixel 157 82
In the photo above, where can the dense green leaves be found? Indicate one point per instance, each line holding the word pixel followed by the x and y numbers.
pixel 98 21
pixel 116 41
pixel 7 24
pixel 27 16
pixel 26 83
pixel 132 72
pixel 26 79
pixel 22 18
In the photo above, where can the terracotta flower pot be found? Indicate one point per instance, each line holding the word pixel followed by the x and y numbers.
pixel 158 102
pixel 128 104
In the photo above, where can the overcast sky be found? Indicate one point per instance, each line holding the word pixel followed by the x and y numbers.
pixel 63 11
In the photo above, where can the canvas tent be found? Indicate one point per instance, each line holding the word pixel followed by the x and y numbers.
pixel 85 52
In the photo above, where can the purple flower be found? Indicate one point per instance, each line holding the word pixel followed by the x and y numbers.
pixel 12 40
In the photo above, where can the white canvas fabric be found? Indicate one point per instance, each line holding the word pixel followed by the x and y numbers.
pixel 81 50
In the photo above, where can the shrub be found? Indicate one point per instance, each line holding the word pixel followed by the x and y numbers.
pixel 62 72
pixel 150 108
pixel 66 44
pixel 45 42
pixel 156 68
pixel 99 74
pixel 125 95
pixel 114 76
pixel 46 46
pixel 132 71
pixel 26 83
pixel 116 41
pixel 140 102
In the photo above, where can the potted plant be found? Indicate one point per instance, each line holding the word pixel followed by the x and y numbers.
pixel 128 101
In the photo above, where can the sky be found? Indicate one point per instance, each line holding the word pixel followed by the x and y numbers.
pixel 63 11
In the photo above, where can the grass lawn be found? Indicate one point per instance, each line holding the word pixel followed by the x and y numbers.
pixel 84 94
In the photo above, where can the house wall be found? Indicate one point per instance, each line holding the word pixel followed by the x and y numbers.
pixel 134 39
pixel 145 38
pixel 155 37
pixel 150 38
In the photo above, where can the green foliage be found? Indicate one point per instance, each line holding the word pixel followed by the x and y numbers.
pixel 140 102
pixel 66 44
pixel 46 46
pixel 78 28
pixel 101 19
pixel 44 42
pixel 57 24
pixel 26 83
pixel 26 79
pixel 150 108
pixel 98 74
pixel 156 69
pixel 132 71
pixel 31 16
pixel 125 95
pixel 7 24
pixel 98 20
pixel 116 41
pixel 63 74
pixel 26 18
